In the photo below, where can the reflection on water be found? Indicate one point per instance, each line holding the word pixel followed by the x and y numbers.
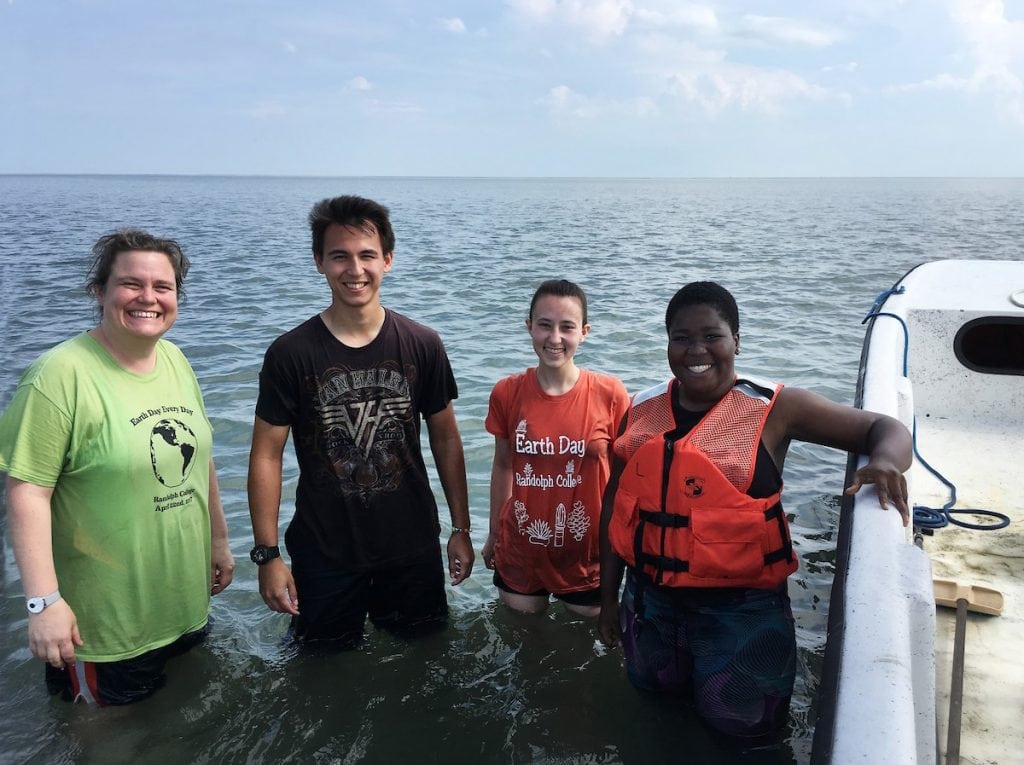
pixel 805 259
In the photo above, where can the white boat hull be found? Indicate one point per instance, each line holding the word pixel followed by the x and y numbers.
pixel 885 686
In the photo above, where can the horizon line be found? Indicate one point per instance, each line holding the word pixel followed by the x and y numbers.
pixel 507 177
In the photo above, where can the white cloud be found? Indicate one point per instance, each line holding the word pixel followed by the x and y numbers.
pixel 290 46
pixel 996 43
pixel 994 46
pixel 599 20
pixel 602 20
pixel 534 10
pixel 359 83
pixel 694 75
pixel 393 107
pixel 701 18
pixel 562 102
pixel 849 67
pixel 715 89
pixel 454 25
pixel 662 35
pixel 776 29
pixel 713 86
pixel 941 82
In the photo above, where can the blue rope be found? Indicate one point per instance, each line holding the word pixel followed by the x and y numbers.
pixel 906 333
pixel 930 517
pixel 882 297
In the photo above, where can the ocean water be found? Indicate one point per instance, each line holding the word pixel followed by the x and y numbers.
pixel 805 259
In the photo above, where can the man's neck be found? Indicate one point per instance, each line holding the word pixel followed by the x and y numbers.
pixel 354 326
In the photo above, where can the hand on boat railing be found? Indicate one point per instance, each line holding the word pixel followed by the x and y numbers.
pixel 890 485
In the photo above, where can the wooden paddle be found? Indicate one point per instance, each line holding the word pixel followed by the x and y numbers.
pixel 964 598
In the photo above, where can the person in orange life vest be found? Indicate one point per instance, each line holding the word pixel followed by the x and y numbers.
pixel 692 512
pixel 552 426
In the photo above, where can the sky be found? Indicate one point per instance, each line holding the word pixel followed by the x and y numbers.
pixel 521 88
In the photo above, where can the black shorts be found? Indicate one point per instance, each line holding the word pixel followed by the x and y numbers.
pixel 407 600
pixel 110 683
pixel 580 598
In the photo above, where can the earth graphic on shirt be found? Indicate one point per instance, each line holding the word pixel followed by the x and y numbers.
pixel 172 448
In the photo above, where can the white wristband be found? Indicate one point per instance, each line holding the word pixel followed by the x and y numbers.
pixel 37 605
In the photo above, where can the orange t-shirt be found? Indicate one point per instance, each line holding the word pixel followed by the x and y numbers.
pixel 548 529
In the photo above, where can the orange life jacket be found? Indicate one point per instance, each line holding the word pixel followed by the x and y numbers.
pixel 681 513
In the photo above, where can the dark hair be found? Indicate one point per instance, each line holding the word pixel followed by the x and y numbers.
pixel 560 288
pixel 108 247
pixel 705 293
pixel 351 211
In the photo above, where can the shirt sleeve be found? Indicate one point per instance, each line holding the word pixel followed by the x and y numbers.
pixel 439 386
pixel 34 437
pixel 497 409
pixel 620 406
pixel 276 403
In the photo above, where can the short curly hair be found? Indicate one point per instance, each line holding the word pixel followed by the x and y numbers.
pixel 705 293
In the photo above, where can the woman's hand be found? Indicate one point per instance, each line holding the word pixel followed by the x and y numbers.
pixel 222 566
pixel 890 485
pixel 53 634
pixel 488 552
pixel 608 624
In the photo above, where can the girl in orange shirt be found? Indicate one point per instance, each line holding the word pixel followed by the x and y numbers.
pixel 553 425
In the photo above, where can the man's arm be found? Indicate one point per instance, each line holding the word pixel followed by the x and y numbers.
pixel 53 632
pixel 222 563
pixel 446 446
pixel 266 457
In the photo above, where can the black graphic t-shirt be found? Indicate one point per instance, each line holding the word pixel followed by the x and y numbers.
pixel 355 413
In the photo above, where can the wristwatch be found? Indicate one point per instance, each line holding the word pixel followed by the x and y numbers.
pixel 37 605
pixel 261 554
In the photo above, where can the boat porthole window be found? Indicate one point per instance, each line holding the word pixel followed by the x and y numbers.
pixel 992 345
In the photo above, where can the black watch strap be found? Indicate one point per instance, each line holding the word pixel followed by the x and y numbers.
pixel 261 554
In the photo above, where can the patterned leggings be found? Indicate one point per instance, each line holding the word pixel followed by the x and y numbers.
pixel 735 653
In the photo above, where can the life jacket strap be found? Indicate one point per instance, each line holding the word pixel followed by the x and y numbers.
pixel 786 551
pixel 662 563
pixel 664 520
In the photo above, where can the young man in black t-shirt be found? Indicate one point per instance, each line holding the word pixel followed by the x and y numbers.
pixel 351 385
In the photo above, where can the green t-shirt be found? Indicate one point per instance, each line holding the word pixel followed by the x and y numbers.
pixel 128 456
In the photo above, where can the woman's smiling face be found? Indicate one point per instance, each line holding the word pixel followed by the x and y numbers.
pixel 140 298
pixel 557 329
pixel 701 352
